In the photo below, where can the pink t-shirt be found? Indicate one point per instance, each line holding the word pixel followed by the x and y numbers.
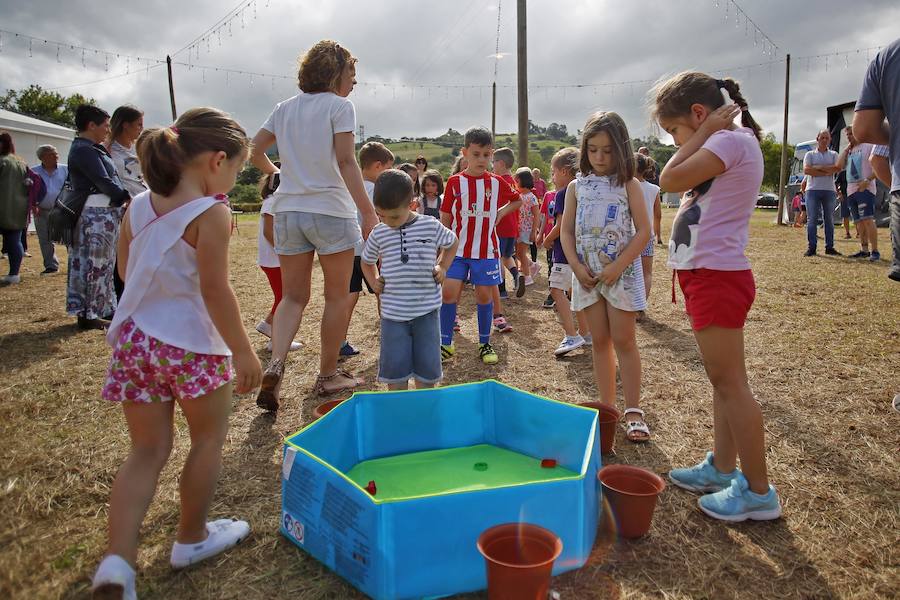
pixel 712 226
pixel 549 199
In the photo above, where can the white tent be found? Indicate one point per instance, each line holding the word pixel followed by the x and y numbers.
pixel 29 133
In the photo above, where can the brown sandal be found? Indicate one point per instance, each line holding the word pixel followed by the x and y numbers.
pixel 270 386
pixel 319 389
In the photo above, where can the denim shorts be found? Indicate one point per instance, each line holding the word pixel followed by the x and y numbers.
pixel 507 246
pixel 480 271
pixel 301 232
pixel 411 349
pixel 862 205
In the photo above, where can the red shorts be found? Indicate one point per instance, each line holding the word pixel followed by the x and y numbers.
pixel 720 298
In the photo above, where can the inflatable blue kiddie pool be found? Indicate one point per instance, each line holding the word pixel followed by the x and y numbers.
pixel 391 490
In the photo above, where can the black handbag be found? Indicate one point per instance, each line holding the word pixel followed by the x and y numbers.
pixel 64 215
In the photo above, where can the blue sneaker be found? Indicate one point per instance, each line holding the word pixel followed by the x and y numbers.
pixel 738 503
pixel 348 350
pixel 703 478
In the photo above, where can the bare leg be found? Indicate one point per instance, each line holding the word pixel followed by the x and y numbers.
pixel 296 274
pixel 583 327
pixel 150 428
pixel 337 269
pixel 872 234
pixel 723 356
pixel 564 310
pixel 421 385
pixel 207 419
pixel 602 351
pixel 621 327
pixel 647 266
pixel 398 386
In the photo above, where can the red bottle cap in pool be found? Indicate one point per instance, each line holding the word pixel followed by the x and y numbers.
pixel 548 463
pixel 371 488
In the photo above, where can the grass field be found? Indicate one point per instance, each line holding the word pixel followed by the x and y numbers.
pixel 823 351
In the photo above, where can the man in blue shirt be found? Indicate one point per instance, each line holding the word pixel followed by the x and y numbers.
pixel 54 176
pixel 877 121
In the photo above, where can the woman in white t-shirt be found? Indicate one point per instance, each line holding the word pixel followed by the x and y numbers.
pixel 315 208
pixel 647 167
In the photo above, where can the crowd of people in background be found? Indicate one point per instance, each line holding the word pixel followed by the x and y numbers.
pixel 154 214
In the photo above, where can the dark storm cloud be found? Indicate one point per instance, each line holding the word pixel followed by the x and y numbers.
pixel 448 43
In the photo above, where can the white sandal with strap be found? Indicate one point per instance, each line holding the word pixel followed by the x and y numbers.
pixel 636 432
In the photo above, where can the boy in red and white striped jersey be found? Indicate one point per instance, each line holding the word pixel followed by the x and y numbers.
pixel 474 201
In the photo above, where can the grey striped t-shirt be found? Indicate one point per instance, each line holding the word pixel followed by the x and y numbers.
pixel 409 287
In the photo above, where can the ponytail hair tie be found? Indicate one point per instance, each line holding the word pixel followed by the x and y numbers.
pixel 720 83
pixel 174 129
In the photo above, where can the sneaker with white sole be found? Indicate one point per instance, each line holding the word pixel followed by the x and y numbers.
pixel 703 477
pixel 265 329
pixel 294 346
pixel 535 269
pixel 114 579
pixel 529 281
pixel 737 503
pixel 569 343
pixel 10 280
pixel 223 534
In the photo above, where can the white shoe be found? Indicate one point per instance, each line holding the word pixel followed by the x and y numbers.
pixel 535 269
pixel 10 279
pixel 264 328
pixel 223 534
pixel 529 281
pixel 294 346
pixel 114 576
pixel 568 344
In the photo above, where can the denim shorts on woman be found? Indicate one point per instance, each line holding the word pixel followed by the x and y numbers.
pixel 301 232
pixel 411 349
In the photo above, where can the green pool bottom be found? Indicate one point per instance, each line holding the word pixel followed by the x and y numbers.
pixel 451 470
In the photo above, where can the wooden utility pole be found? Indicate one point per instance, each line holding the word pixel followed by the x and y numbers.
pixel 171 88
pixel 784 140
pixel 522 43
pixel 494 112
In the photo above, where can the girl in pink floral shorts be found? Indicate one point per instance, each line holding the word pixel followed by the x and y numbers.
pixel 144 369
pixel 176 332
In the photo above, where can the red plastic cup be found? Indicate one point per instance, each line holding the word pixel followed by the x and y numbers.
pixel 631 493
pixel 608 418
pixel 519 559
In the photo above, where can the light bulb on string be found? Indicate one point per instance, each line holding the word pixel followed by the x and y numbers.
pixel 30 52
pixel 82 58
pixel 57 54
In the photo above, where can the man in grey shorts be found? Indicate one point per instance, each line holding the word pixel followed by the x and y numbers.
pixel 877 121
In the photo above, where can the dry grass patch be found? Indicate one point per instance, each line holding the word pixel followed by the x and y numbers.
pixel 823 356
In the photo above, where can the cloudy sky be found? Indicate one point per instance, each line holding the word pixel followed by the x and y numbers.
pixel 449 43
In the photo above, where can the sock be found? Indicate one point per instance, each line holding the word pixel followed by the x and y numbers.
pixel 485 313
pixel 448 317
pixel 514 271
pixel 502 286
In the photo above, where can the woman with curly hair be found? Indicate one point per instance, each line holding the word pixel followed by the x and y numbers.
pixel 315 208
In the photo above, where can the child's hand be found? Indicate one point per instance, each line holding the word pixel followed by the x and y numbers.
pixel 248 372
pixel 378 286
pixel 439 274
pixel 548 243
pixel 585 277
pixel 610 273
pixel 721 118
pixel 539 240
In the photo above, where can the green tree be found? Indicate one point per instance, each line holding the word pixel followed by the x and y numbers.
pixel 771 150
pixel 249 175
pixel 43 104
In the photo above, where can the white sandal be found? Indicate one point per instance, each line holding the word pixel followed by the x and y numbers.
pixel 636 432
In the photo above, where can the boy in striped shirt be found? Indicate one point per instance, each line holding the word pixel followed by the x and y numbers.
pixel 415 252
pixel 474 201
